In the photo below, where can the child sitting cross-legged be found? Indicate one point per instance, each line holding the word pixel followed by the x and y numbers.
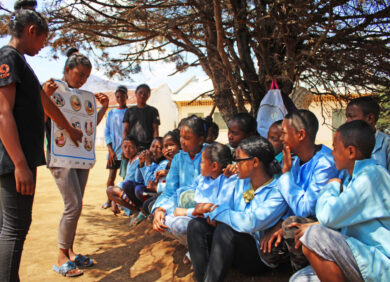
pixel 350 241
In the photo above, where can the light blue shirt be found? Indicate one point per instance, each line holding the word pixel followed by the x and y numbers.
pixel 182 173
pixel 362 212
pixel 114 129
pixel 381 151
pixel 301 185
pixel 262 212
pixel 208 190
pixel 130 172
pixel 149 172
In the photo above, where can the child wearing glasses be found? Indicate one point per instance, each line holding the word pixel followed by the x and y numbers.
pixel 255 206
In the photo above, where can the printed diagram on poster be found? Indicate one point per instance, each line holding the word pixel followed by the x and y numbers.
pixel 79 108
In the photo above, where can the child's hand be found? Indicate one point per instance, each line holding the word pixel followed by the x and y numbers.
pixel 301 229
pixel 287 160
pixel 103 99
pixel 158 221
pixel 111 157
pixel 180 212
pixel 230 170
pixel 201 209
pixel 160 173
pixel 275 233
pixel 75 135
pixel 114 208
pixel 213 223
pixel 141 159
pixel 148 158
pixel 50 87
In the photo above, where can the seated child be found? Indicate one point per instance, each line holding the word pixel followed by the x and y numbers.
pixel 274 137
pixel 149 161
pixel 118 194
pixel 211 186
pixel 300 184
pixel 351 241
pixel 184 169
pixel 171 146
pixel 367 109
pixel 256 205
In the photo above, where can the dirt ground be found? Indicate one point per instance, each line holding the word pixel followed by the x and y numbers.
pixel 121 253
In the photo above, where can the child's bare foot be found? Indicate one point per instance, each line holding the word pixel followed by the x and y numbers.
pixel 115 208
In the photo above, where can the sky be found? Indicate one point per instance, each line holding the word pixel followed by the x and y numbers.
pixel 154 74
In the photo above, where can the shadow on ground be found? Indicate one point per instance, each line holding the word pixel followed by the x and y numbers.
pixel 141 254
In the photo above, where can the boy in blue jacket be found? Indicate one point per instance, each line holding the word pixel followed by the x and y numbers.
pixel 304 176
pixel 351 241
pixel 367 109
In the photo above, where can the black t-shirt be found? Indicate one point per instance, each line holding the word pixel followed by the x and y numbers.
pixel 141 122
pixel 28 111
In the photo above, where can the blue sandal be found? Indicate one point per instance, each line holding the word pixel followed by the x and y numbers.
pixel 83 261
pixel 65 268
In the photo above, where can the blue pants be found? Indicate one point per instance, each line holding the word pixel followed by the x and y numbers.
pixel 15 220
pixel 134 191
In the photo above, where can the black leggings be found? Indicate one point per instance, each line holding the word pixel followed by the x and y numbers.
pixel 15 220
pixel 214 250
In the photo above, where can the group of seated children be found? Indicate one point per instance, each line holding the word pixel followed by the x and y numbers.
pixel 257 203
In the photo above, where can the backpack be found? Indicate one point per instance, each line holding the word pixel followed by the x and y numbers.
pixel 271 109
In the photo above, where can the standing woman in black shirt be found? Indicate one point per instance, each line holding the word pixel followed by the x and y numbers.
pixel 23 104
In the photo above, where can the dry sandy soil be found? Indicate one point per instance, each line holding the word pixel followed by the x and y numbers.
pixel 121 253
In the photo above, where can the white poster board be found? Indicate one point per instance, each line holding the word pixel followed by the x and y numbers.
pixel 79 108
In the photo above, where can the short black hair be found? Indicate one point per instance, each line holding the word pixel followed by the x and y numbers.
pixel 21 4
pixel 261 148
pixel 367 104
pixel 304 119
pixel 277 123
pixel 132 139
pixel 122 89
pixel 143 86
pixel 23 17
pixel 359 134
pixel 247 123
pixel 219 153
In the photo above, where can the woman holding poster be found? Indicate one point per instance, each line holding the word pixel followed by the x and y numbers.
pixel 69 163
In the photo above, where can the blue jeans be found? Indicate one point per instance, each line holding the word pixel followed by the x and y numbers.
pixel 15 220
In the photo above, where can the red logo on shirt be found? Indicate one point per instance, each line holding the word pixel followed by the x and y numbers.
pixel 4 71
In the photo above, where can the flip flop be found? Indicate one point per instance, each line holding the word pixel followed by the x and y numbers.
pixel 83 261
pixel 65 268
pixel 137 220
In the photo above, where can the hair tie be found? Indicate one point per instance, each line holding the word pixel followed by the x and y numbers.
pixel 12 17
pixel 205 127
